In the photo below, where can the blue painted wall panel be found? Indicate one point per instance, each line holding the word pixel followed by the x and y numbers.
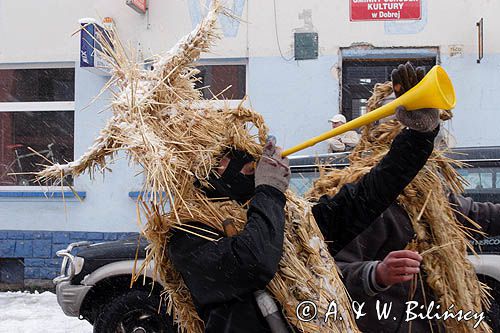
pixel 38 248
pixel 7 248
pixel 41 248
pixel 24 249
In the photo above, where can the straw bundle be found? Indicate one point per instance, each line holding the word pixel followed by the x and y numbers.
pixel 160 123
pixel 440 238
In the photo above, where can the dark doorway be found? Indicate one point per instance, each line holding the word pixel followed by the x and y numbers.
pixel 360 75
pixel 11 273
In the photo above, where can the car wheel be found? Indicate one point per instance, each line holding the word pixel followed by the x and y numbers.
pixel 134 312
pixel 493 316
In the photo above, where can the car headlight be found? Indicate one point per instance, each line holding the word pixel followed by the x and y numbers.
pixel 78 264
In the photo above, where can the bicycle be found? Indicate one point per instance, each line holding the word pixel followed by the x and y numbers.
pixel 14 173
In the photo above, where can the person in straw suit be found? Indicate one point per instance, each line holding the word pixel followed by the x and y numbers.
pixel 223 276
pixel 398 259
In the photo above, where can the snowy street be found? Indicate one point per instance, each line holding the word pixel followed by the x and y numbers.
pixel 22 312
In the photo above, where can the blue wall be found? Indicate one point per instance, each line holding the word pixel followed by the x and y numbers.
pixel 38 248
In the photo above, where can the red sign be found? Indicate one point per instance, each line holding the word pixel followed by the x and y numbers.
pixel 385 10
pixel 139 6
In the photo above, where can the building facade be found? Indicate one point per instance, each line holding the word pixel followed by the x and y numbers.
pixel 47 100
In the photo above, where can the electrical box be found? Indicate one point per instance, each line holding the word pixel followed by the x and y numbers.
pixel 306 45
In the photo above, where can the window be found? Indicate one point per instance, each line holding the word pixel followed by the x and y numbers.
pixel 359 107
pixel 36 121
pixel 359 76
pixel 480 178
pixel 37 85
pixel 302 182
pixel 222 81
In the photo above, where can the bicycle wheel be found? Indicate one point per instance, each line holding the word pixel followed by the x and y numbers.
pixel 7 176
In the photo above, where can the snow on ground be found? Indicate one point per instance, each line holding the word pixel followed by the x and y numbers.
pixel 22 312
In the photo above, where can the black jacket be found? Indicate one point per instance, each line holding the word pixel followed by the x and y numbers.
pixel 223 275
pixel 342 217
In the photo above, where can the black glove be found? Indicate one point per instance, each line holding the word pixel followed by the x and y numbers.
pixel 404 78
pixel 272 169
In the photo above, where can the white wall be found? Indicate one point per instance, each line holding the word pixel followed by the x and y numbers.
pixel 40 31
pixel 45 27
pixel 295 97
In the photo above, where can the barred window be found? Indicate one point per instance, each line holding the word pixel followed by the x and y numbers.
pixel 222 81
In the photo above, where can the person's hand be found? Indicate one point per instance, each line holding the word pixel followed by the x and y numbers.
pixel 272 169
pixel 404 78
pixel 334 141
pixel 397 266
pixel 421 120
pixel 335 145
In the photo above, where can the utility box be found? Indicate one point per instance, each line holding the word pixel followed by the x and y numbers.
pixel 306 45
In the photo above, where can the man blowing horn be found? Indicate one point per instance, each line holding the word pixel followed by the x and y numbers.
pixel 223 274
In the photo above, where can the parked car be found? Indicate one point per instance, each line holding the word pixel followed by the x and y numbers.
pixel 95 281
pixel 95 285
pixel 481 170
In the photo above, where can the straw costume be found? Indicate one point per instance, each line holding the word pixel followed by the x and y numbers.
pixel 159 122
pixel 429 217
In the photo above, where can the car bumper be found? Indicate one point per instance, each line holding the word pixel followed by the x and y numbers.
pixel 70 297
pixel 486 264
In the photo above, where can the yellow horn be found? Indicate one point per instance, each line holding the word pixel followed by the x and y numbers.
pixel 434 91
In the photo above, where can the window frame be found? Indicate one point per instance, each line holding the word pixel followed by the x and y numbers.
pixel 38 107
pixel 231 103
pixel 372 56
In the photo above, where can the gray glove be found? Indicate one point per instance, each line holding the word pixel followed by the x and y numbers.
pixel 404 78
pixel 422 120
pixel 272 169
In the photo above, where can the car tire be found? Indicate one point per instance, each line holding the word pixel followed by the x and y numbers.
pixel 134 312
pixel 493 316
